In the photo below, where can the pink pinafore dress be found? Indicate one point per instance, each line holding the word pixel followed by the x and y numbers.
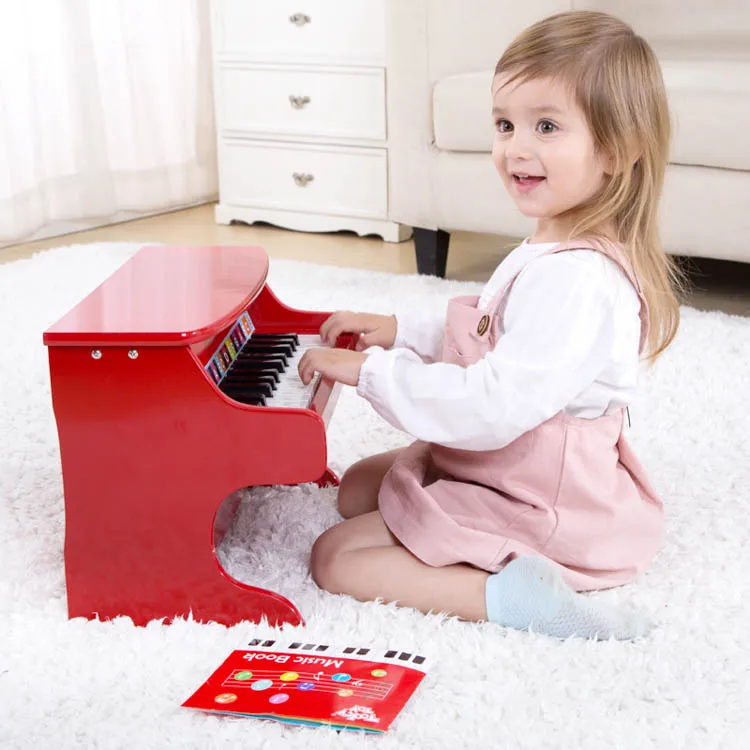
pixel 570 490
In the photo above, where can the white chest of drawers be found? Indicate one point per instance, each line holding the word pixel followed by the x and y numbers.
pixel 299 89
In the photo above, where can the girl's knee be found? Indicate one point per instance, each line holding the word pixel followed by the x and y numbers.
pixel 325 559
pixel 348 499
pixel 359 487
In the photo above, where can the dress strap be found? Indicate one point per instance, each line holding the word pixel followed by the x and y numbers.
pixel 612 250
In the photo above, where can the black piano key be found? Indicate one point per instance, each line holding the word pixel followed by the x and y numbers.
pixel 251 356
pixel 247 397
pixel 251 369
pixel 231 385
pixel 250 379
pixel 259 364
pixel 286 337
pixel 243 389
pixel 247 391
pixel 254 371
pixel 266 343
pixel 280 348
pixel 249 350
pixel 250 401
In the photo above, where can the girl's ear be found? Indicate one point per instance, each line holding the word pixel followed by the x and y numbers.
pixel 608 163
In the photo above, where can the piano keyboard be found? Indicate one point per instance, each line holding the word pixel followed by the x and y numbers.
pixel 264 371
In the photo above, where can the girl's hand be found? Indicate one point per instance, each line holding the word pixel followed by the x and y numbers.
pixel 342 365
pixel 373 330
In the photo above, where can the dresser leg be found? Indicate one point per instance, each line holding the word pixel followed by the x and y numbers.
pixel 431 246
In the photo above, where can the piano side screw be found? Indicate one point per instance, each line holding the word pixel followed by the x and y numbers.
pixel 96 354
pixel 133 354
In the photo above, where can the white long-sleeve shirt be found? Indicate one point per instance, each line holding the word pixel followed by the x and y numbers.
pixel 569 342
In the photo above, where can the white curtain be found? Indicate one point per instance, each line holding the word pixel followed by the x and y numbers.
pixel 106 112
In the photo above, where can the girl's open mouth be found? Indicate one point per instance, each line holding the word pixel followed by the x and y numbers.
pixel 525 183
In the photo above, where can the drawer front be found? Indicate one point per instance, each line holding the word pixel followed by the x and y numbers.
pixel 300 102
pixel 317 179
pixel 303 30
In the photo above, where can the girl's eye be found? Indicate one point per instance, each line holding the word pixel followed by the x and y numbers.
pixel 546 127
pixel 504 126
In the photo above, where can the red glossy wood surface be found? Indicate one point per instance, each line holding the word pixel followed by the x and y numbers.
pixel 166 295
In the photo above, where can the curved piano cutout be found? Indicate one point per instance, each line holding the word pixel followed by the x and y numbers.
pixel 253 603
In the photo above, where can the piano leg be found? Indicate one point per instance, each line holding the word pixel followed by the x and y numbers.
pixel 329 479
pixel 150 562
pixel 153 561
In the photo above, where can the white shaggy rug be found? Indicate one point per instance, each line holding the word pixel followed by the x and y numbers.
pixel 66 684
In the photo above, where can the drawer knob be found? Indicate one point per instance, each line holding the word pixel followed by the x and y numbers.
pixel 302 179
pixel 299 19
pixel 298 101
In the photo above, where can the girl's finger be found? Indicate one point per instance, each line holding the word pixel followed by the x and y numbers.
pixel 332 334
pixel 303 368
pixel 327 325
pixel 331 329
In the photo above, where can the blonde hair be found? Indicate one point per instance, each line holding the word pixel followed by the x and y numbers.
pixel 617 83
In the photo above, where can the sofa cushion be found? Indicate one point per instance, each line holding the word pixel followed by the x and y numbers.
pixel 709 103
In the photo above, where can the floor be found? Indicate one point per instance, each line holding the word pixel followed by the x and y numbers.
pixel 716 285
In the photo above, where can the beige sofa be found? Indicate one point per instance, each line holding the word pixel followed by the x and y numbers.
pixel 441 54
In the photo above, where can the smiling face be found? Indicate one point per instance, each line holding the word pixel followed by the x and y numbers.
pixel 544 152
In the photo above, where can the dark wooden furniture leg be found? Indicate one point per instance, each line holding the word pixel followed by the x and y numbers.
pixel 432 251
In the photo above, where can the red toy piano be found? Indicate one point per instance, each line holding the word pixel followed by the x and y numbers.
pixel 174 384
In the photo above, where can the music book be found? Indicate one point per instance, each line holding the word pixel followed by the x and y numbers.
pixel 313 684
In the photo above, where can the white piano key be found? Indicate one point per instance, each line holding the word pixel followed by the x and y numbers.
pixel 291 392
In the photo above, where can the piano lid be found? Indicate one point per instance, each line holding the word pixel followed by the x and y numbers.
pixel 166 296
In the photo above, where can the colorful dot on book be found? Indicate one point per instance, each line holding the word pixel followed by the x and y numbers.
pixel 225 698
pixel 262 685
pixel 306 686
pixel 289 676
pixel 378 673
pixel 345 693
pixel 243 675
pixel 341 677
pixel 279 698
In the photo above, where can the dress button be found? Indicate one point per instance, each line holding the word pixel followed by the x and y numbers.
pixel 484 324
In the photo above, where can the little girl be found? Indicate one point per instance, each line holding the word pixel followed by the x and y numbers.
pixel 521 489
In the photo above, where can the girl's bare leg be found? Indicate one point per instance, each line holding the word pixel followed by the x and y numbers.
pixel 358 491
pixel 361 557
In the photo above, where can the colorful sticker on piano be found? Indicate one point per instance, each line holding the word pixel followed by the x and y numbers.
pixel 246 324
pixel 231 346
pixel 213 369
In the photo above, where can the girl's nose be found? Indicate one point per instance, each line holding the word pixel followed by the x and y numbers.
pixel 518 146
